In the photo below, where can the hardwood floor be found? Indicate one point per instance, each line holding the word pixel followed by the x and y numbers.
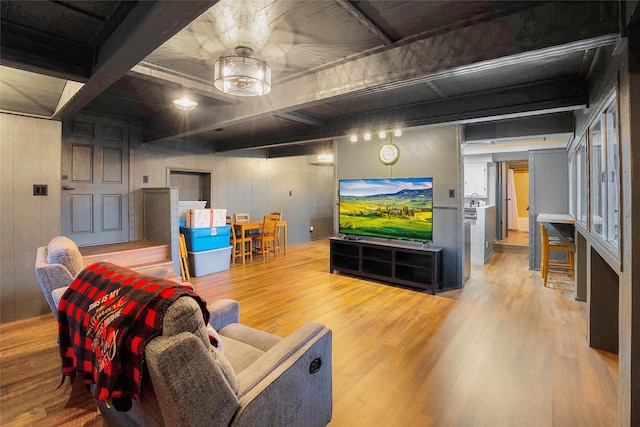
pixel 504 351
pixel 516 237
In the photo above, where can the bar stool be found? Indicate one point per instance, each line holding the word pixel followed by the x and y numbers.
pixel 546 264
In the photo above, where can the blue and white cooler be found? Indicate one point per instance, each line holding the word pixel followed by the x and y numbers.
pixel 208 249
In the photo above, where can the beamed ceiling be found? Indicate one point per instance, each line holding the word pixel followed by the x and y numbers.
pixel 338 66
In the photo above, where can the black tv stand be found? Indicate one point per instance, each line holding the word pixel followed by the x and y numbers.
pixel 410 266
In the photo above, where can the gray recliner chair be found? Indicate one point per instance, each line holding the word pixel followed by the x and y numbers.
pixel 58 263
pixel 259 379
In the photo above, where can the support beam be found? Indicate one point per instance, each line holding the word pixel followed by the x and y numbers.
pixel 30 50
pixel 547 97
pixel 524 126
pixel 158 74
pixel 460 51
pixel 144 29
pixel 364 21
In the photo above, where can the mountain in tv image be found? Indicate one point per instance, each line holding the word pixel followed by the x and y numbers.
pixel 400 208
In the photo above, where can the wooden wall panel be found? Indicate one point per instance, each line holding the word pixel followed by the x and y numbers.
pixel 7 260
pixel 29 154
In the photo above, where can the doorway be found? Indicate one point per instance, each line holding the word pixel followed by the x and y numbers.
pixel 514 206
pixel 192 185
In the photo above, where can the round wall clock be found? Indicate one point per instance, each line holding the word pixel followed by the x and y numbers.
pixel 389 154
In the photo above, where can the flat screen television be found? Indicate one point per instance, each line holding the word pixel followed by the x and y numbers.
pixel 393 208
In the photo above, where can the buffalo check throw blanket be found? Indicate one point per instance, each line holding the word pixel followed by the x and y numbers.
pixel 106 318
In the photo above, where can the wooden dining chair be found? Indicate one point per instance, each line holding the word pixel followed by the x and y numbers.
pixel 236 246
pixel 266 240
pixel 237 241
pixel 184 260
pixel 278 241
pixel 242 216
pixel 546 264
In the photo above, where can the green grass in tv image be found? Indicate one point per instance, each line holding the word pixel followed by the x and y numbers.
pixel 386 217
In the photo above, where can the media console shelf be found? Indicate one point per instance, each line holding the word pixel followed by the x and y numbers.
pixel 415 267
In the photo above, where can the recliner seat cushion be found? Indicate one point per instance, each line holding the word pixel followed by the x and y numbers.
pixel 62 250
pixel 239 354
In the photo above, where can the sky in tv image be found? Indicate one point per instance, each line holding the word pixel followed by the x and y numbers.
pixel 395 208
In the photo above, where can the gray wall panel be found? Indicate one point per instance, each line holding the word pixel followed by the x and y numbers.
pixel 29 154
pixel 548 193
pixel 242 182
pixel 432 151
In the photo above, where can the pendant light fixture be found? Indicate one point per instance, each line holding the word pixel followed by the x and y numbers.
pixel 241 74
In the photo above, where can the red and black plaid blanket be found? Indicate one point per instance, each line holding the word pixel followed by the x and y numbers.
pixel 105 320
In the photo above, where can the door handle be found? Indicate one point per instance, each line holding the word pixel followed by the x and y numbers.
pixel 68 188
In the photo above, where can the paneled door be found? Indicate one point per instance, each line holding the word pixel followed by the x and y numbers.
pixel 95 180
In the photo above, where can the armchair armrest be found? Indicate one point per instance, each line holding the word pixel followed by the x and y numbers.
pixel 291 384
pixel 223 312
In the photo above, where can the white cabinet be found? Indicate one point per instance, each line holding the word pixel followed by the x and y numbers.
pixel 475 179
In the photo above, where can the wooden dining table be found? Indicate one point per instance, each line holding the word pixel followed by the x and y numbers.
pixel 256 224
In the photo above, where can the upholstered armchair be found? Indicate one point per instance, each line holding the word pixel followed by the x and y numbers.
pixel 58 263
pixel 258 379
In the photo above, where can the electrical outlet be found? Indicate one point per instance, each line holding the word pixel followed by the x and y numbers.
pixel 486 244
pixel 452 193
pixel 145 179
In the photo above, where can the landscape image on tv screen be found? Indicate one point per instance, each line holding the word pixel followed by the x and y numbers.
pixel 394 208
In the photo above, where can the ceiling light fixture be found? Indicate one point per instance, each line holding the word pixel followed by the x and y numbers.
pixel 382 134
pixel 185 103
pixel 242 75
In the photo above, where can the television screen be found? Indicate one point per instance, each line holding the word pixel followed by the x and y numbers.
pixel 394 208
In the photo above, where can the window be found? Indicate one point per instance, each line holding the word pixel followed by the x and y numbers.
pixel 605 175
pixel 582 179
pixel 613 173
pixel 572 183
pixel 598 177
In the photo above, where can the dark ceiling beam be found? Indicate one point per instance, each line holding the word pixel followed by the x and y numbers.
pixel 519 127
pixel 146 27
pixel 546 30
pixel 316 147
pixel 364 21
pixel 158 74
pixel 31 50
pixel 302 117
pixel 543 97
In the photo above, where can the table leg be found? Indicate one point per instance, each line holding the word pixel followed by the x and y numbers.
pixel 285 239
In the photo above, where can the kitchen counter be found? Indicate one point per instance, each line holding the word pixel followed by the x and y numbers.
pixel 483 233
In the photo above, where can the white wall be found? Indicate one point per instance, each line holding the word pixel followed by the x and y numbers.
pixel 29 154
pixel 432 151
